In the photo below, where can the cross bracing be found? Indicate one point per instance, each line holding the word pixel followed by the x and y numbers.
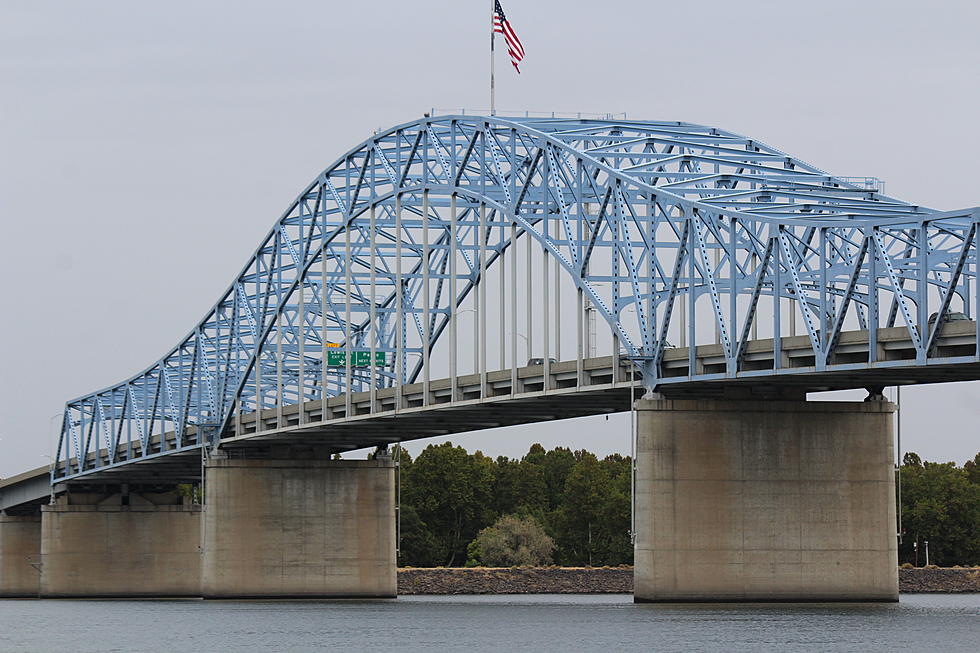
pixel 673 233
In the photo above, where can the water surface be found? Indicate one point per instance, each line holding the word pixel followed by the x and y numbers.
pixel 921 623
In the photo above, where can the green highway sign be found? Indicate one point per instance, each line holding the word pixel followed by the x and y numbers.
pixel 361 358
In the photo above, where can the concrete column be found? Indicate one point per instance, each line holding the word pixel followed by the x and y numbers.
pixel 20 555
pixel 765 501
pixel 299 528
pixel 93 546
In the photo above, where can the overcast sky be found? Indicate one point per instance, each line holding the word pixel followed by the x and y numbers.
pixel 148 147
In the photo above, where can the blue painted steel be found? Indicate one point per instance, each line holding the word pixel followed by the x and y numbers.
pixel 657 223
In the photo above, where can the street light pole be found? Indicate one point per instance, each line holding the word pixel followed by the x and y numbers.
pixel 527 345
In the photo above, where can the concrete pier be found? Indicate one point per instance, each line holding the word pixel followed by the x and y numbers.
pixel 20 554
pixel 299 528
pixel 96 546
pixel 765 501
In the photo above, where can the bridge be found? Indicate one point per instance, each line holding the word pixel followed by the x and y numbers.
pixel 457 273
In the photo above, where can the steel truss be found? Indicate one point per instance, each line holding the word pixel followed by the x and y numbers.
pixel 670 231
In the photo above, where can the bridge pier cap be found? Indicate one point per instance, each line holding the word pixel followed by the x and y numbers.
pixel 434 262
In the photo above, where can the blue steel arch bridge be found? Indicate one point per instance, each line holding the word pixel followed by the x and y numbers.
pixel 448 274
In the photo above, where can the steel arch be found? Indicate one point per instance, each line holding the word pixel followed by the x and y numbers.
pixel 671 230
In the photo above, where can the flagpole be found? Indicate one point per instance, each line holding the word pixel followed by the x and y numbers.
pixel 493 107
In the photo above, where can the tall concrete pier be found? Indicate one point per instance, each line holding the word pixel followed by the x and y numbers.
pixel 20 549
pixel 299 528
pixel 765 501
pixel 120 545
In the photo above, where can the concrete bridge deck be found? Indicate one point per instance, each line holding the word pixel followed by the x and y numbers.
pixel 25 492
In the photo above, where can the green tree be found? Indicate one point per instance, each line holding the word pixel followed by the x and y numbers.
pixel 557 467
pixel 617 545
pixel 972 468
pixel 512 541
pixel 911 459
pixel 451 492
pixel 418 546
pixel 532 490
pixel 506 485
pixel 579 516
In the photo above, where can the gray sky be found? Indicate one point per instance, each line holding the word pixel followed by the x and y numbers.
pixel 147 147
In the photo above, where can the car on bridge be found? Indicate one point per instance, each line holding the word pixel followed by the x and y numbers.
pixel 540 361
pixel 952 316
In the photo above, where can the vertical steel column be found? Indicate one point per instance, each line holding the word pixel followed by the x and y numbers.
pixel 426 331
pixel 502 318
pixel 477 314
pixel 976 279
pixel 755 318
pixel 922 290
pixel 545 282
pixel 258 396
pixel 683 286
pixel 777 293
pixel 349 359
pixel 324 340
pixel 733 287
pixel 579 325
pixel 301 337
pixel 482 321
pixel 873 297
pixel 692 335
pixel 280 320
pixel 557 309
pixel 453 369
pixel 584 209
pixel 824 324
pixel 792 300
pixel 545 305
pixel 651 270
pixel 373 236
pixel 529 275
pixel 513 309
pixel 716 264
pixel 614 288
pixel 399 305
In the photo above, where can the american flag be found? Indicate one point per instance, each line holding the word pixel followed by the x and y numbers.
pixel 502 26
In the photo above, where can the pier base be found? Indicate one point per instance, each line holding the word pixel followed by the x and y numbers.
pixel 765 501
pixel 20 549
pixel 94 546
pixel 299 528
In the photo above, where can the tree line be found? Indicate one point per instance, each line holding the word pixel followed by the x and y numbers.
pixel 582 505
pixel 448 496
pixel 941 505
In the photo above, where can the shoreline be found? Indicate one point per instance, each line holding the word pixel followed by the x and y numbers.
pixel 619 580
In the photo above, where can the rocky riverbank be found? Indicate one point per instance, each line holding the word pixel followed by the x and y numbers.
pixel 525 580
pixel 616 580
pixel 935 579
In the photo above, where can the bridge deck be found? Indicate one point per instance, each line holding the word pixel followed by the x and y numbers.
pixel 24 492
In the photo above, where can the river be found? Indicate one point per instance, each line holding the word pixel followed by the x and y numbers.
pixel 921 623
